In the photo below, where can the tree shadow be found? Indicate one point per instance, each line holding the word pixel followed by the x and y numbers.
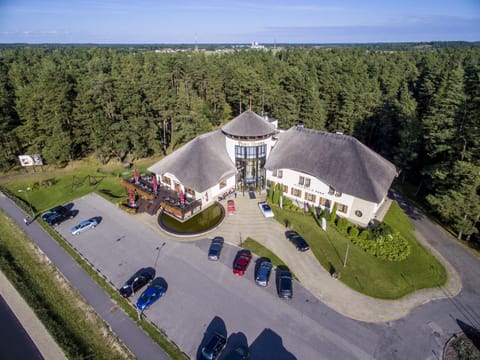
pixel 470 332
pixel 216 326
pixel 269 345
pixel 110 194
pixel 409 209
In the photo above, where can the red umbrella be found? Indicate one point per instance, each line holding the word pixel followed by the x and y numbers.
pixel 135 175
pixel 154 183
pixel 132 197
pixel 182 197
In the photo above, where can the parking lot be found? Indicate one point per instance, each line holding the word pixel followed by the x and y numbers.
pixel 205 296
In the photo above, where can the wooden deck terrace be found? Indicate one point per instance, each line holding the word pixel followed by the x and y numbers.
pixel 165 198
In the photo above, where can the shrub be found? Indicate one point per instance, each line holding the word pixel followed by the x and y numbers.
pixel 126 207
pixel 333 214
pixel 364 234
pixel 353 232
pixel 343 225
pixel 387 246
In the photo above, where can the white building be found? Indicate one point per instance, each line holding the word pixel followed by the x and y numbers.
pixel 314 167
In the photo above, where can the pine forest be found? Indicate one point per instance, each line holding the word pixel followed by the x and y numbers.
pixel 420 109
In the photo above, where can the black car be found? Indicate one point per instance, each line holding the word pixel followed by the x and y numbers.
pixel 297 240
pixel 137 281
pixel 57 215
pixel 214 347
pixel 55 211
pixel 284 284
pixel 239 353
pixel 215 248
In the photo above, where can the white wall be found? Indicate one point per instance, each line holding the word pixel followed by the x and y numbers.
pixel 214 192
pixel 290 178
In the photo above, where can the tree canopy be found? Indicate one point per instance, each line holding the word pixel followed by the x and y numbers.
pixel 420 109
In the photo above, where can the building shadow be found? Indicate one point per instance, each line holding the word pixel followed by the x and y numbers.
pixel 216 326
pixel 470 332
pixel 235 341
pixel 269 345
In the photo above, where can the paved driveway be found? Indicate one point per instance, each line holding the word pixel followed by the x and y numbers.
pixel 204 295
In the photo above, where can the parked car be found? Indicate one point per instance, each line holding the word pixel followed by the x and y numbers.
pixel 299 242
pixel 137 281
pixel 263 272
pixel 56 219
pixel 241 262
pixel 239 353
pixel 215 248
pixel 266 209
pixel 151 294
pixel 84 225
pixel 231 207
pixel 214 347
pixel 57 210
pixel 284 284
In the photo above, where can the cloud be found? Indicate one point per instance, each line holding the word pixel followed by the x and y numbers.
pixel 434 28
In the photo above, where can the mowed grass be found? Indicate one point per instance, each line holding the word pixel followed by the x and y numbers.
pixel 260 250
pixel 363 272
pixel 73 324
pixel 51 187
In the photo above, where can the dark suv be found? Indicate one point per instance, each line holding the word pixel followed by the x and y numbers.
pixel 214 347
pixel 284 284
pixel 56 215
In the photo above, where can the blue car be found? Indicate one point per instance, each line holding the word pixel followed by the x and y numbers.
pixel 263 273
pixel 84 225
pixel 150 295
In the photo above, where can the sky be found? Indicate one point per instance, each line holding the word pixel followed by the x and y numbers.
pixel 237 21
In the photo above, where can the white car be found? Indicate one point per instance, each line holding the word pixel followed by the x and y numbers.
pixel 84 225
pixel 266 209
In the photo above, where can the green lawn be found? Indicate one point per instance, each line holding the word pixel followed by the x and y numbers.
pixel 262 251
pixel 51 187
pixel 365 273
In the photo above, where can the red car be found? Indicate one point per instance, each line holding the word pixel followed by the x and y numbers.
pixel 241 262
pixel 231 207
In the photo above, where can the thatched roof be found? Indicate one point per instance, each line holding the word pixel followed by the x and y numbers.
pixel 340 161
pixel 200 164
pixel 248 124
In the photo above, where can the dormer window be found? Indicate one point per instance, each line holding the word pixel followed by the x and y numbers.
pixel 338 193
pixel 301 180
pixel 331 191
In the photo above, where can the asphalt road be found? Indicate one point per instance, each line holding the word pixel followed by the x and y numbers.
pixel 14 340
pixel 205 296
pixel 130 334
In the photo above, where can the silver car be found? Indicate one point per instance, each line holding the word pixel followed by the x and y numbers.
pixel 84 225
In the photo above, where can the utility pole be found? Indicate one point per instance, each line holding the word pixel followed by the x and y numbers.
pixel 346 255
